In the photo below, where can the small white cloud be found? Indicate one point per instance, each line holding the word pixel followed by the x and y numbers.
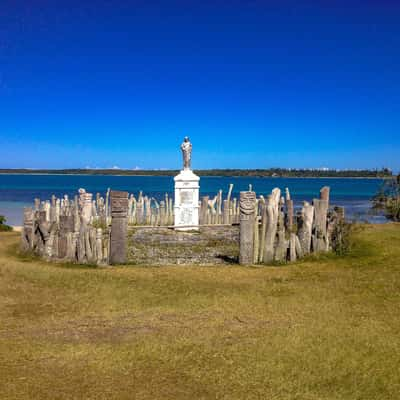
pixel 116 167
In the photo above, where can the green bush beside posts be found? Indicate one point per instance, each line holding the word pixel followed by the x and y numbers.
pixel 3 226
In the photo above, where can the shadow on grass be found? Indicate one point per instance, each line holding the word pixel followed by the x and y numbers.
pixel 359 248
pixel 228 260
pixel 13 251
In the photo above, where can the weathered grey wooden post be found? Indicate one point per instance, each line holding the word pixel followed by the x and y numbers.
pixel 203 210
pixel 107 209
pixel 225 214
pixel 171 212
pixel 305 224
pixel 140 209
pixel 162 213
pixel 99 245
pixel 247 220
pixel 119 226
pixel 319 239
pixel 289 222
pixel 256 238
pixel 272 210
pixel 40 229
pixel 27 235
pixel 65 229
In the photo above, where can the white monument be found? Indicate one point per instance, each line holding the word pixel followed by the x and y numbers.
pixel 186 192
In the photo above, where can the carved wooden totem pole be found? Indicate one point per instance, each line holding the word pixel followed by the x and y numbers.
pixel 119 226
pixel 247 220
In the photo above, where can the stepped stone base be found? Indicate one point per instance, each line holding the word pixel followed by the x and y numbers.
pixel 163 246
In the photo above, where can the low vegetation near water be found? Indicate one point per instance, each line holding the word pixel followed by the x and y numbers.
pixel 388 198
pixel 323 328
pixel 3 226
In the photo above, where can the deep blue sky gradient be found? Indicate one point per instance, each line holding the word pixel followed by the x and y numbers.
pixel 255 84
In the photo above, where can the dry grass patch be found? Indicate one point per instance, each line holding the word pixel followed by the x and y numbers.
pixel 324 328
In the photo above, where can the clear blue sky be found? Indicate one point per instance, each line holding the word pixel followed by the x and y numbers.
pixel 254 84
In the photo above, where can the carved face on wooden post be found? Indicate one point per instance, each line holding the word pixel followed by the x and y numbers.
pixel 247 204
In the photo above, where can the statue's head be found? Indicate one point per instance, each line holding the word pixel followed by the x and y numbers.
pixel 186 139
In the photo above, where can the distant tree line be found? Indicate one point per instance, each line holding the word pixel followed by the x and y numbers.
pixel 270 172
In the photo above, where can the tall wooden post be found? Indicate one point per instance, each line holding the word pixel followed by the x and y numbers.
pixel 247 220
pixel 119 226
pixel 321 205
pixel 225 214
pixel 204 210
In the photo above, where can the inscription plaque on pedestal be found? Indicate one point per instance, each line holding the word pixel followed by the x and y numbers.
pixel 186 197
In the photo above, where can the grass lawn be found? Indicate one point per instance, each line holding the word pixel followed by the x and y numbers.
pixel 326 328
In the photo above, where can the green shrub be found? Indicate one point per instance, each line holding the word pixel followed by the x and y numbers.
pixel 3 226
pixel 388 199
pixel 341 237
pixel 99 224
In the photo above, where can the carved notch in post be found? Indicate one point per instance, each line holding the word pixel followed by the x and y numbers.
pixel 247 220
pixel 119 225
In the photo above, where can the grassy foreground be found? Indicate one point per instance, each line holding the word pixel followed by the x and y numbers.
pixel 319 329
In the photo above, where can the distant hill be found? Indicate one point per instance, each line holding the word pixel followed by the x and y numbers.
pixel 271 172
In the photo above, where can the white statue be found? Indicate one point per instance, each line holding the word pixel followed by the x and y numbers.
pixel 186 148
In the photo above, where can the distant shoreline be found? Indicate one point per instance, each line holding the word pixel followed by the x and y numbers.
pixel 208 176
pixel 217 173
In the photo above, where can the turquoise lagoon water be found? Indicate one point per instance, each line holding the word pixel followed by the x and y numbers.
pixel 17 191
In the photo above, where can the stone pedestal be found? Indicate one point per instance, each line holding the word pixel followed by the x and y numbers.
pixel 186 200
